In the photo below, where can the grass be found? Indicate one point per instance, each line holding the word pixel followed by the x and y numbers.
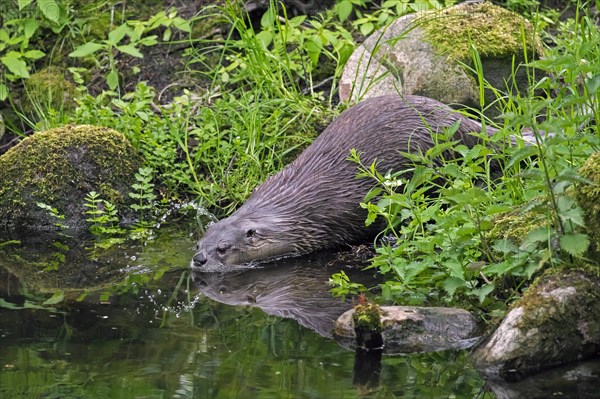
pixel 264 100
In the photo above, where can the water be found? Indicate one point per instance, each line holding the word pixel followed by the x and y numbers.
pixel 167 333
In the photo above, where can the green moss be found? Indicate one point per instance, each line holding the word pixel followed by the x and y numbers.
pixel 60 166
pixel 367 316
pixel 49 88
pixel 492 30
pixel 212 20
pixel 588 197
pixel 515 226
pixel 545 313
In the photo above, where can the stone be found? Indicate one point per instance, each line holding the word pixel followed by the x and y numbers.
pixel 554 323
pixel 407 329
pixel 59 167
pixel 426 53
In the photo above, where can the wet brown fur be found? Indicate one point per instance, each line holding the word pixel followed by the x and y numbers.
pixel 313 203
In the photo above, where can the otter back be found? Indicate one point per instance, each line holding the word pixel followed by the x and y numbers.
pixel 313 203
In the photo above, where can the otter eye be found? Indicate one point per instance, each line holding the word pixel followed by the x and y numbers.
pixel 223 247
pixel 250 233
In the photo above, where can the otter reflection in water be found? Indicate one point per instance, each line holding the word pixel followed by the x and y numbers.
pixel 294 288
pixel 313 203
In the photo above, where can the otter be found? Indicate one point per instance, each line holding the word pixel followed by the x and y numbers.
pixel 296 290
pixel 313 203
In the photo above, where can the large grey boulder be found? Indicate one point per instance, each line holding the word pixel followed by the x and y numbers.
pixel 59 167
pixel 429 54
pixel 556 322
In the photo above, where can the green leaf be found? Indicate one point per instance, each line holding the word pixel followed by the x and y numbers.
pixel 86 49
pixel 117 34
pixel 575 244
pixel 483 291
pixel 373 211
pixel 57 297
pixel 520 155
pixel 505 246
pixel 472 196
pixel 82 296
pixel 451 284
pixel 29 27
pixel 328 37
pixel 564 203
pixel 131 50
pixel 535 236
pixel 34 54
pixel 3 92
pixel 344 9
pixel 23 3
pixel 157 20
pixel 440 148
pixel 182 24
pixel 268 18
pixel 15 65
pixel 31 305
pixel 167 35
pixel 49 9
pixel 454 269
pixel 593 84
pixel 264 38
pixel 367 28
pixel 374 192
pixel 148 40
pixel 297 21
pixel 112 79
pixel 570 211
pixel 494 209
pixel 501 268
pixel 9 305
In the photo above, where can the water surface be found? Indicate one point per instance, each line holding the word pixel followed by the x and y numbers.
pixel 168 333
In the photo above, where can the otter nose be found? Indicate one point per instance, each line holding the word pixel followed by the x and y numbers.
pixel 199 259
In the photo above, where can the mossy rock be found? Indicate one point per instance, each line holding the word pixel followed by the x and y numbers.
pixel 554 323
pixel 59 168
pixel 425 54
pixel 588 197
pixel 49 88
pixel 494 31
pixel 515 226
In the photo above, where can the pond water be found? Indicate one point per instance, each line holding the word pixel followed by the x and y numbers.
pixel 170 333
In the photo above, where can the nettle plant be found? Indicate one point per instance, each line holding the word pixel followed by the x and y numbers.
pixel 480 225
pixel 128 38
pixel 436 214
pixel 20 28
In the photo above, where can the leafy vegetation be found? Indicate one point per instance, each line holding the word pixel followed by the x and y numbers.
pixel 452 240
pixel 21 27
pixel 103 218
pixel 266 88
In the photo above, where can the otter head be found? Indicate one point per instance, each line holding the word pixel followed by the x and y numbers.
pixel 241 240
